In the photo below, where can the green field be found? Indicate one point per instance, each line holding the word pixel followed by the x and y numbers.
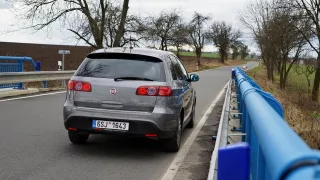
pixel 204 54
pixel 300 80
pixel 295 81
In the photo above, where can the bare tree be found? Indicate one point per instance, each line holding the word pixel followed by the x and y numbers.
pixel 133 28
pixel 311 10
pixel 244 51
pixel 120 31
pixel 255 18
pixel 286 39
pixel 235 50
pixel 274 29
pixel 253 55
pixel 162 28
pixel 223 37
pixel 197 33
pixel 42 14
pixel 180 37
pixel 306 67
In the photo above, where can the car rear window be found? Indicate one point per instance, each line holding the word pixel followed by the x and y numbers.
pixel 116 66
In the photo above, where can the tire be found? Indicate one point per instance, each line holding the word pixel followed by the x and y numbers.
pixel 173 144
pixel 193 116
pixel 76 138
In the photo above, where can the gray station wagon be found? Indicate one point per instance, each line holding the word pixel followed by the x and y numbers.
pixel 130 91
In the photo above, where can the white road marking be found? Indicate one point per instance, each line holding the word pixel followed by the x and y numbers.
pixel 25 97
pixel 174 166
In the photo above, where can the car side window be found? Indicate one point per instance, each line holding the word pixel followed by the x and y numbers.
pixel 172 69
pixel 185 73
pixel 179 71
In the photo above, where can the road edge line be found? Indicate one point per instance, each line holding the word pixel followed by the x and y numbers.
pixel 38 95
pixel 174 166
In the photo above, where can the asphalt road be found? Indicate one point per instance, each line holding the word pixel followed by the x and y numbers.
pixel 34 144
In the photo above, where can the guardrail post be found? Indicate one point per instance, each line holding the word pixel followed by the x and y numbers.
pixel 20 85
pixel 234 162
pixel 38 68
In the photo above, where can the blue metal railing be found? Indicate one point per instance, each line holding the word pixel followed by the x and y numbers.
pixel 11 67
pixel 17 66
pixel 276 151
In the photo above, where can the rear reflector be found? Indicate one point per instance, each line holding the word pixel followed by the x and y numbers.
pixel 72 129
pixel 154 91
pixel 151 135
pixel 165 91
pixel 79 86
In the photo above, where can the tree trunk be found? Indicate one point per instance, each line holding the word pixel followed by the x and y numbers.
pixel 309 85
pixel 120 31
pixel 178 52
pixel 269 73
pixel 166 45
pixel 316 83
pixel 271 69
pixel 162 44
pixel 222 56
pixel 198 53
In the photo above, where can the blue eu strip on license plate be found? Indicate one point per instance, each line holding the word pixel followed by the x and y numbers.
pixel 94 123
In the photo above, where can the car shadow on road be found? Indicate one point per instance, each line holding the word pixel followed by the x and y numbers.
pixel 124 147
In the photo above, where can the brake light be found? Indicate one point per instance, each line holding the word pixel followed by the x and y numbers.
pixel 79 86
pixel 154 91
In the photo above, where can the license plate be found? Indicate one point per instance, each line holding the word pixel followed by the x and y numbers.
pixel 110 125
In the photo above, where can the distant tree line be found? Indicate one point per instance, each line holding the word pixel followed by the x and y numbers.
pixel 103 24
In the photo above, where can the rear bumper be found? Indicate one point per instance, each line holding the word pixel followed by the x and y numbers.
pixel 140 123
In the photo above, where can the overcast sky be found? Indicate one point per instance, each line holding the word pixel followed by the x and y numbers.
pixel 222 10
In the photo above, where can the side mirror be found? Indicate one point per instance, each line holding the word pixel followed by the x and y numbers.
pixel 194 78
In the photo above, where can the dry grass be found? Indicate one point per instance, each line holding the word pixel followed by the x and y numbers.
pixel 301 113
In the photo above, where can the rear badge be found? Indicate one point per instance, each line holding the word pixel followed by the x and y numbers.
pixel 113 91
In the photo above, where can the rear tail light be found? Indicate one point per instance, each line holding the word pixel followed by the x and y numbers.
pixel 151 135
pixel 72 129
pixel 79 86
pixel 154 91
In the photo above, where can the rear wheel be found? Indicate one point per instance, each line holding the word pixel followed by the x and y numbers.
pixel 76 138
pixel 173 144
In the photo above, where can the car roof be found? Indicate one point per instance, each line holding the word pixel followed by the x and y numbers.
pixel 138 51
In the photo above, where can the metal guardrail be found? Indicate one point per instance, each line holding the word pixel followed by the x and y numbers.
pixel 15 64
pixel 14 77
pixel 276 151
pixel 222 135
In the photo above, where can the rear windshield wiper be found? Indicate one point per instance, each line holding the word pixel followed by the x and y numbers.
pixel 132 78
